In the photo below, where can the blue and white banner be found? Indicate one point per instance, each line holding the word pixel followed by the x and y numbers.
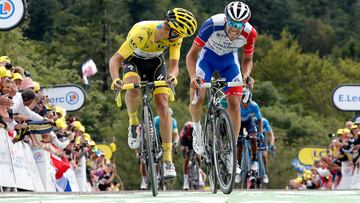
pixel 69 97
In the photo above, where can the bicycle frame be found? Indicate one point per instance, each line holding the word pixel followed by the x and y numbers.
pixel 150 147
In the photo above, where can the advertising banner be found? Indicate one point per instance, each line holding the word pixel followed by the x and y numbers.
pixel 6 169
pixel 42 160
pixel 12 13
pixel 346 97
pixel 69 97
pixel 308 155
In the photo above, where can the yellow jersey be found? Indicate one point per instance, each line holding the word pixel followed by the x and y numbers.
pixel 140 42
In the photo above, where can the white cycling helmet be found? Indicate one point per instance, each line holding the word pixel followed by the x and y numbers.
pixel 238 11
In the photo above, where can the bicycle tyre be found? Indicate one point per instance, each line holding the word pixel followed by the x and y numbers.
pixel 245 167
pixel 261 172
pixel 210 168
pixel 194 177
pixel 149 135
pixel 225 131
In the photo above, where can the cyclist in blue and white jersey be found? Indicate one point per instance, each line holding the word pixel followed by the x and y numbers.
pixel 215 49
pixel 249 110
pixel 269 138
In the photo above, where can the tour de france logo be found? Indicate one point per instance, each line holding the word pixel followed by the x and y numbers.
pixel 7 9
pixel 72 98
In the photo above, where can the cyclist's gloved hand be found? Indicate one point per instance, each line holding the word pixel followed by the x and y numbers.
pixel 195 83
pixel 116 84
pixel 172 79
pixel 272 147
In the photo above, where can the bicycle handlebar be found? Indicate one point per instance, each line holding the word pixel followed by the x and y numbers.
pixel 129 86
pixel 209 85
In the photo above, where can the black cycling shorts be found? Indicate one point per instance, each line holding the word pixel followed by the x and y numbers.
pixel 148 69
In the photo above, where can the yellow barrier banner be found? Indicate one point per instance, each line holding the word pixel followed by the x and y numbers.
pixel 308 155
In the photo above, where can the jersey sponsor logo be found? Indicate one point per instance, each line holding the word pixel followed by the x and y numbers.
pixel 133 44
pixel 160 77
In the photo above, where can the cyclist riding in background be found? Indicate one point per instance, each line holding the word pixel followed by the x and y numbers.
pixel 249 110
pixel 186 147
pixel 269 138
pixel 216 49
pixel 175 142
pixel 141 57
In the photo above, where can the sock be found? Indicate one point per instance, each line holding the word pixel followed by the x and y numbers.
pixel 186 176
pixel 167 151
pixel 133 119
pixel 145 178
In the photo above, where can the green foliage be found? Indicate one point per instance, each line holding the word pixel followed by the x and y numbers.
pixel 304 50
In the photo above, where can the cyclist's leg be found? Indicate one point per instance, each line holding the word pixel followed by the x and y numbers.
pixel 131 75
pixel 232 73
pixel 251 129
pixel 240 144
pixel 204 72
pixel 161 95
pixel 144 178
pixel 186 156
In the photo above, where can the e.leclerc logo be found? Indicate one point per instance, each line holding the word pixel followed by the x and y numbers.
pixel 72 98
pixel 7 9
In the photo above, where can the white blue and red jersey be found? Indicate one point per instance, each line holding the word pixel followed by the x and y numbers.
pixel 219 53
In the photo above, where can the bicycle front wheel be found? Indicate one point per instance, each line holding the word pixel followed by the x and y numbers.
pixel 210 163
pixel 261 172
pixel 224 152
pixel 149 136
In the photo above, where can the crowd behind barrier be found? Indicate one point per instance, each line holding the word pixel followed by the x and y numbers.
pixel 43 149
pixel 340 168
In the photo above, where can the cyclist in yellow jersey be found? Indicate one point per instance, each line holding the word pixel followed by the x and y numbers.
pixel 141 58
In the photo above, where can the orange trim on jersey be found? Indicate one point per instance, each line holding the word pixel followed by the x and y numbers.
pixel 199 42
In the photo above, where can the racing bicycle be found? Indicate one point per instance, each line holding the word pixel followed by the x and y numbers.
pixel 220 148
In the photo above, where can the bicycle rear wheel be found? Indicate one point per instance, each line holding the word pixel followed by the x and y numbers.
pixel 149 136
pixel 210 168
pixel 224 152
pixel 194 176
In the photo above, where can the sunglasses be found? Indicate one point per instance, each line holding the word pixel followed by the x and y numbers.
pixel 173 34
pixel 234 24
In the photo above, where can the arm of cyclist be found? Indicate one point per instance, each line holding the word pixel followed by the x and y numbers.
pixel 247 65
pixel 272 139
pixel 191 64
pixel 173 71
pixel 114 68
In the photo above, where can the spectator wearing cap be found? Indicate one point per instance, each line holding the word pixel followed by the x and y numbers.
pixel 26 83
pixel 17 77
pixel 20 70
pixel 4 60
pixel 22 101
